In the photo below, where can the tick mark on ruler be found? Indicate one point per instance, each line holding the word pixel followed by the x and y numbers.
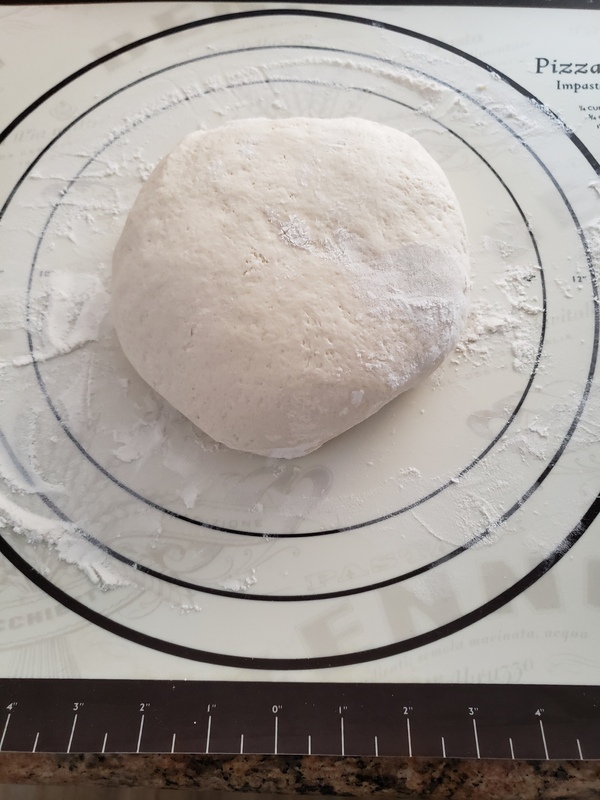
pixel 104 742
pixel 208 733
pixel 72 734
pixel 476 738
pixel 309 744
pixel 512 750
pixel 342 736
pixel 443 748
pixel 4 731
pixel 139 741
pixel 276 733
pixel 376 747
pixel 544 739
pixel 34 748
pixel 408 736
pixel 242 743
pixel 173 743
pixel 579 749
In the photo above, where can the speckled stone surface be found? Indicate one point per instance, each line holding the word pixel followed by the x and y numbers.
pixel 314 775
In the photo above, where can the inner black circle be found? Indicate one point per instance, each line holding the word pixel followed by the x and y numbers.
pixel 167 106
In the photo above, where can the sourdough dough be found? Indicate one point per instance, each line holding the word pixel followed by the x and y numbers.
pixel 279 281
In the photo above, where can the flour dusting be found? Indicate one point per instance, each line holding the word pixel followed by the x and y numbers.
pixel 69 543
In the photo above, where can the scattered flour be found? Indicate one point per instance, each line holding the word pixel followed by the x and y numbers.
pixel 69 542
pixel 239 583
pixel 514 322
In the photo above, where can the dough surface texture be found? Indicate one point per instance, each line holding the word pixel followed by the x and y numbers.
pixel 279 281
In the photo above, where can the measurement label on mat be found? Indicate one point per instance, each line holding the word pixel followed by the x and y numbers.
pixel 462 721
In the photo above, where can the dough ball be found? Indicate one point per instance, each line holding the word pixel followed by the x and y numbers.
pixel 279 281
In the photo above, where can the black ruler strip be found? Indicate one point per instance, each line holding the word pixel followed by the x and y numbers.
pixel 456 720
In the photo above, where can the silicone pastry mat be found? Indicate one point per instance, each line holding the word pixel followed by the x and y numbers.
pixel 447 540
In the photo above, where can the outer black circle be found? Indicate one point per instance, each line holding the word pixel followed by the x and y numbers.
pixel 398 647
pixel 192 654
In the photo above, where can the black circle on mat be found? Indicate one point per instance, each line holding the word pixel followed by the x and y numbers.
pixel 257 534
pixel 286 598
pixel 397 647
pixel 321 662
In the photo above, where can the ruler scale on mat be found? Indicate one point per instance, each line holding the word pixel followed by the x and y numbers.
pixel 460 721
pixel 427 583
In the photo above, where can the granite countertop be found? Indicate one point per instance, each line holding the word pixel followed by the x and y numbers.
pixel 314 775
